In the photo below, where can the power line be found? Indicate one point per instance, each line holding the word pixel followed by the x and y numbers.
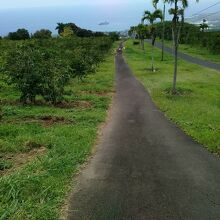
pixel 199 12
pixel 206 16
pixel 211 14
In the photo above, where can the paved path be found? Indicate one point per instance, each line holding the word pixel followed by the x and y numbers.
pixel 189 58
pixel 145 168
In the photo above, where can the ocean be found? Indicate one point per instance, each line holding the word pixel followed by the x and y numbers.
pixel 86 17
pixel 120 15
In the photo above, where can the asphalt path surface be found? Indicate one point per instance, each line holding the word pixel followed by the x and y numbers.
pixel 189 58
pixel 145 168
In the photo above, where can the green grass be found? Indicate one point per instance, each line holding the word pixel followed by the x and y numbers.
pixel 197 51
pixel 38 190
pixel 197 109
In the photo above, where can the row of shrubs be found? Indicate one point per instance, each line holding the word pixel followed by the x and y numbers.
pixel 23 34
pixel 44 67
pixel 63 29
pixel 192 34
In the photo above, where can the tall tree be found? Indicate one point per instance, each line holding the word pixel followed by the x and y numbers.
pixel 42 34
pixel 60 27
pixel 141 31
pixel 67 32
pixel 155 2
pixel 204 26
pixel 177 11
pixel 20 34
pixel 152 17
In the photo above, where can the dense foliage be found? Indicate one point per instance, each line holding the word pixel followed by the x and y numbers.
pixel 42 146
pixel 44 67
pixel 140 32
pixel 76 31
pixel 42 34
pixel 20 34
pixel 114 36
pixel 192 34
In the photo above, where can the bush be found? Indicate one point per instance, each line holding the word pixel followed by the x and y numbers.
pixel 22 71
pixel 44 67
pixel 213 42
pixel 77 31
pixel 82 64
pixel 55 76
pixel 67 32
pixel 42 34
pixel 114 36
pixel 20 34
pixel 136 43
pixel 36 71
pixel 191 34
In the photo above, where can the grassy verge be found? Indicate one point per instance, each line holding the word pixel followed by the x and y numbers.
pixel 196 51
pixel 196 110
pixel 52 142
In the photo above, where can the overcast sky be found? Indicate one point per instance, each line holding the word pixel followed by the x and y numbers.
pixel 121 14
pixel 135 5
pixel 46 3
pixel 106 3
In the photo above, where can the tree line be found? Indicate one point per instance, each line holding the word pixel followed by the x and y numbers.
pixel 177 30
pixel 193 35
pixel 63 29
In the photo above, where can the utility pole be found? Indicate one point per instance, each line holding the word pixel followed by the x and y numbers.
pixel 163 32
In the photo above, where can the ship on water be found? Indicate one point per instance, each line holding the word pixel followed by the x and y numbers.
pixel 104 23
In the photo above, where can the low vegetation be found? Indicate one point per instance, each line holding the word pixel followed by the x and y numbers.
pixel 197 51
pixel 54 93
pixel 192 35
pixel 44 67
pixel 195 107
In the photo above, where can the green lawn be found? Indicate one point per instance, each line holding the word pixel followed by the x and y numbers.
pixel 38 189
pixel 196 51
pixel 197 108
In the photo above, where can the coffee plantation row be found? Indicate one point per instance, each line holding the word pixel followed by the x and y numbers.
pixel 41 68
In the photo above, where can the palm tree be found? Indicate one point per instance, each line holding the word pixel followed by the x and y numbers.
pixel 177 23
pixel 152 17
pixel 60 27
pixel 155 2
pixel 141 30
pixel 204 26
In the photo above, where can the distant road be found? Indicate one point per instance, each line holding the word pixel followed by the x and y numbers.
pixel 189 58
